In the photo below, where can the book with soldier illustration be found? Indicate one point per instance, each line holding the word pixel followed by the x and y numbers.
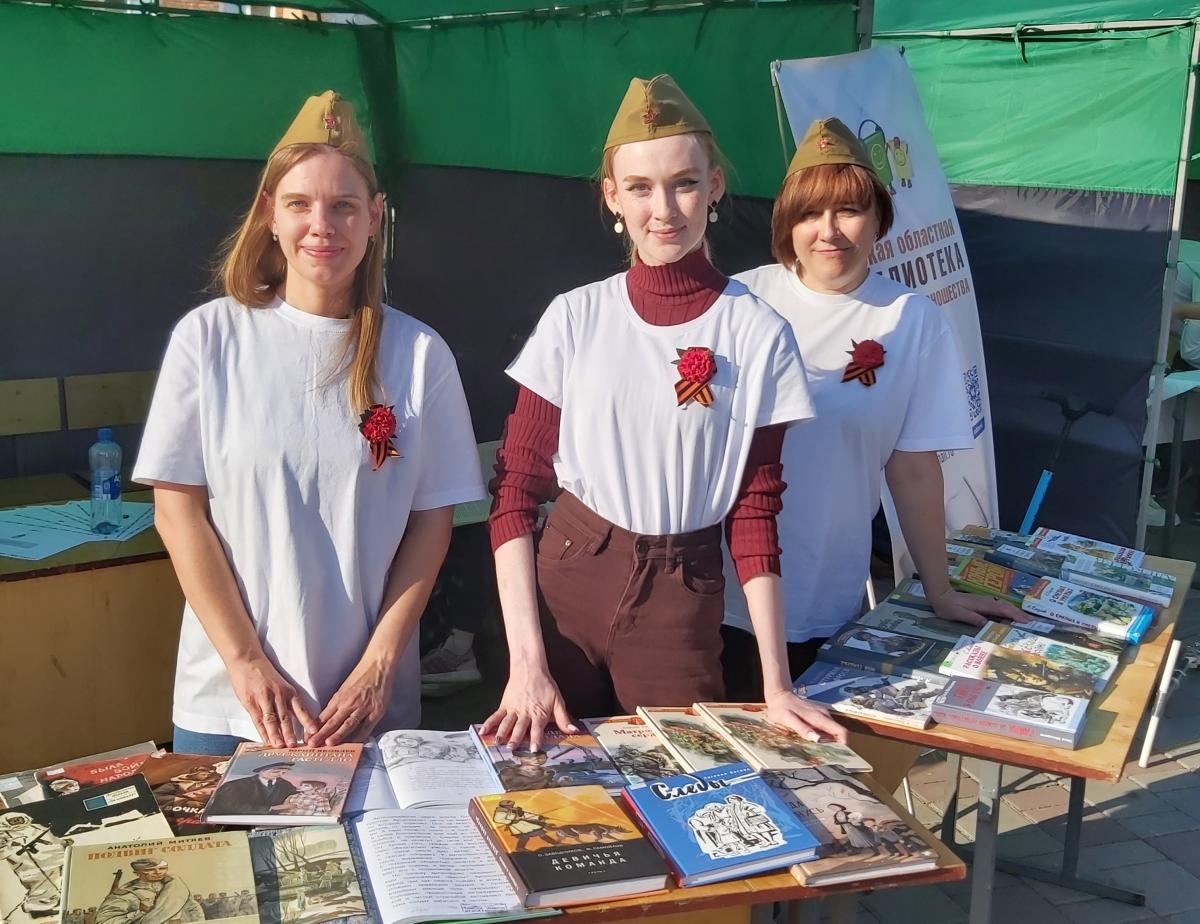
pixel 1064 651
pixel 1019 667
pixel 1089 609
pixel 689 738
pixel 720 824
pixel 182 785
pixel 1015 712
pixel 283 786
pixel 884 652
pixel 635 748
pixel 1053 540
pixel 892 617
pixel 863 834
pixel 765 746
pixel 305 875
pixel 564 760
pixel 852 691
pixel 34 839
pixel 203 877
pixel 566 846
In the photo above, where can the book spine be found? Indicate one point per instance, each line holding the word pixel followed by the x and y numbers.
pixel 966 718
pixel 884 718
pixel 501 855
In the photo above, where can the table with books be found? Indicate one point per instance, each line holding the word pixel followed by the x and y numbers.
pixel 1080 734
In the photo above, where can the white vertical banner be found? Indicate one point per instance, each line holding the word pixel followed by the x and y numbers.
pixel 874 94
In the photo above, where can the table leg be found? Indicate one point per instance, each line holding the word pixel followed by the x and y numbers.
pixel 983 863
pixel 1165 686
pixel 1180 415
pixel 950 806
pixel 762 914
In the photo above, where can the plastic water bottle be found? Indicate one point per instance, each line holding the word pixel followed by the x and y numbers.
pixel 105 460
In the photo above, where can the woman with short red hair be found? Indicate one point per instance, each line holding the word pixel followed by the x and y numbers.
pixel 884 373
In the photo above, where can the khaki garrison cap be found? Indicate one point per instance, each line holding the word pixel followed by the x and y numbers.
pixel 829 141
pixel 654 108
pixel 326 119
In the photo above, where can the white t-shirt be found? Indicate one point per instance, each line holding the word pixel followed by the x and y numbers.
pixel 245 407
pixel 834 465
pixel 625 447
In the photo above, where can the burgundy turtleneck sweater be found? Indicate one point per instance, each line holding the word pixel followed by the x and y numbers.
pixel 663 296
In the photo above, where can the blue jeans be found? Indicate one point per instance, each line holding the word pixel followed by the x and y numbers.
pixel 190 742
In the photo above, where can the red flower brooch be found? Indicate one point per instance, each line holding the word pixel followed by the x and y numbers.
pixel 865 358
pixel 697 366
pixel 378 425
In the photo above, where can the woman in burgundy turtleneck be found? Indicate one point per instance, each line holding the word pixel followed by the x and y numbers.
pixel 655 401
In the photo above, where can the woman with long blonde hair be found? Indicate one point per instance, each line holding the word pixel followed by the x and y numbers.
pixel 306 444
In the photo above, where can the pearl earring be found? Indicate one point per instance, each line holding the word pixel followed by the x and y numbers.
pixel 618 225
pixel 274 236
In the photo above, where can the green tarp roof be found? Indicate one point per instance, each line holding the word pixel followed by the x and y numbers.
pixel 935 15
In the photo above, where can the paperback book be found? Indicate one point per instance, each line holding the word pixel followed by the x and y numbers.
pixel 891 617
pixel 34 839
pixel 305 875
pixel 1140 585
pixel 689 738
pixel 566 846
pixel 1099 665
pixel 910 594
pixel 634 747
pixel 765 746
pixel 26 786
pixel 204 877
pixel 986 536
pixel 988 661
pixel 1053 540
pixel 884 652
pixel 182 785
pixel 977 576
pixel 1089 609
pixel 564 760
pixel 283 786
pixel 862 833
pixel 850 691
pixel 1015 712
pixel 721 824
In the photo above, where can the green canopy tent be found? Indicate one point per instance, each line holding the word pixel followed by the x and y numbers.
pixel 1063 130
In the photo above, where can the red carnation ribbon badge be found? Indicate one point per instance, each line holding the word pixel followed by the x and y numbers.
pixel 378 425
pixel 865 358
pixel 697 366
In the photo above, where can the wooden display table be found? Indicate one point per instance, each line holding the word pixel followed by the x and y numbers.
pixel 1113 720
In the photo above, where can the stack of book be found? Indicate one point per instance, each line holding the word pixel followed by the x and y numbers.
pixel 901 664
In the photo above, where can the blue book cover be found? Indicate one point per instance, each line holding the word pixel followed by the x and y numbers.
pixel 721 824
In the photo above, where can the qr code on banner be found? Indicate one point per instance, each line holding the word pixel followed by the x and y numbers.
pixel 974 392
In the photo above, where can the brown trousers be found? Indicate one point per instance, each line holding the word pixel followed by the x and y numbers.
pixel 629 620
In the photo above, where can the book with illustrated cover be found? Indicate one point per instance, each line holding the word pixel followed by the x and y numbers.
pixel 430 864
pixel 959 552
pixel 721 823
pixel 203 877
pixel 1037 562
pixel 988 661
pixel 434 768
pixel 910 594
pixel 765 746
pixel 1098 664
pixel 689 737
pixel 182 785
pixel 850 691
pixel 884 652
pixel 564 760
pixel 1141 585
pixel 986 536
pixel 569 845
pixel 69 778
pixel 1053 540
pixel 891 617
pixel 635 748
pixel 34 839
pixel 1015 712
pixel 978 576
pixel 305 875
pixel 283 786
pixel 1089 609
pixel 28 785
pixel 863 833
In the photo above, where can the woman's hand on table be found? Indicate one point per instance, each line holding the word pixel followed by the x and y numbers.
pixel 809 720
pixel 357 706
pixel 273 704
pixel 530 704
pixel 975 609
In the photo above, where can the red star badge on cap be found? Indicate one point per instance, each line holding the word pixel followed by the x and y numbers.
pixel 331 123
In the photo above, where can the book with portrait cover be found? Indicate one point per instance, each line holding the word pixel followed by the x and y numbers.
pixel 689 737
pixel 34 839
pixel 720 824
pixel 203 877
pixel 853 691
pixel 569 845
pixel 1015 712
pixel 884 652
pixel 565 759
pixel 863 833
pixel 182 785
pixel 765 746
pixel 636 749
pixel 1021 668
pixel 283 786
